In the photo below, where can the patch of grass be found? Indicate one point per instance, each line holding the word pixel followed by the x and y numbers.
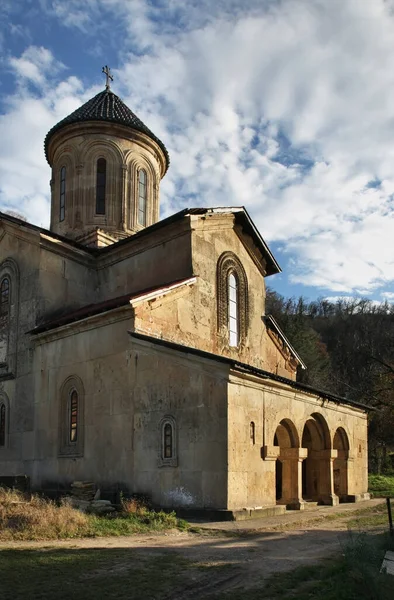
pixel 87 574
pixel 381 486
pixel 43 519
pixel 354 575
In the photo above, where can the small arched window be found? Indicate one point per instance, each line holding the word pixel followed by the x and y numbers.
pixel 142 196
pixel 233 325
pixel 62 193
pixel 168 446
pixel 167 439
pixel 73 417
pixel 4 318
pixel 2 424
pixel 101 180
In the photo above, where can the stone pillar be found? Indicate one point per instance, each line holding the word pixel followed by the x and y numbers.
pixel 326 476
pixel 292 459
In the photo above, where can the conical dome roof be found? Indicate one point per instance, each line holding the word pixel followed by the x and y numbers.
pixel 106 106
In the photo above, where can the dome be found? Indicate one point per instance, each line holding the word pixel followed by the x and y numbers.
pixel 106 106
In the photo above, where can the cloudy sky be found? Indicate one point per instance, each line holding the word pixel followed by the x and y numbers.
pixel 283 106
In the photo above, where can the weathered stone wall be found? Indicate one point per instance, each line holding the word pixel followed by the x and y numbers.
pixel 130 387
pixel 266 404
pixel 191 318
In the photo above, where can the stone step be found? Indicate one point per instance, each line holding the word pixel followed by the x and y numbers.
pixel 310 505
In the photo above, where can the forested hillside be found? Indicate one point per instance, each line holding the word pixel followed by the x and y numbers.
pixel 348 347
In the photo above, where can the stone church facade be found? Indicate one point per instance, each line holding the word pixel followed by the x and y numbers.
pixel 137 353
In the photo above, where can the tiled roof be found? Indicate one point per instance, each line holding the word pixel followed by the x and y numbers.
pixel 106 106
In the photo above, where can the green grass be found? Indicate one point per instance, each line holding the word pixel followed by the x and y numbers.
pixel 354 575
pixel 381 486
pixel 87 574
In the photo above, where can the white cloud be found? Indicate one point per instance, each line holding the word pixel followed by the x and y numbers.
pixel 285 107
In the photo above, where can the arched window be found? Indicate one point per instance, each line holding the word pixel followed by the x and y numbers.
pixel 232 299
pixel 71 417
pixel 73 421
pixel 168 447
pixel 101 180
pixel 4 318
pixel 167 441
pixel 233 325
pixel 142 195
pixel 2 424
pixel 62 193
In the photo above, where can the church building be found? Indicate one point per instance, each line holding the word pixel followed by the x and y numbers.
pixel 137 352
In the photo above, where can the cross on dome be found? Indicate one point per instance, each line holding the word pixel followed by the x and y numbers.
pixel 107 71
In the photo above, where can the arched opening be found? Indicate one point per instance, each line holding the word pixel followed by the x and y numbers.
pixel 341 444
pixel 286 465
pixel 233 325
pixel 142 197
pixel 101 180
pixel 316 468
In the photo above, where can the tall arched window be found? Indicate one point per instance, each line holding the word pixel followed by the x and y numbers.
pixel 233 325
pixel 168 446
pixel 4 318
pixel 73 417
pixel 62 193
pixel 2 424
pixel 142 195
pixel 101 180
pixel 232 299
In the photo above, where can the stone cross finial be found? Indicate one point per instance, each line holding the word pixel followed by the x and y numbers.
pixel 109 77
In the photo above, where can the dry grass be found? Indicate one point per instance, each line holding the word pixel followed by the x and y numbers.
pixel 43 519
pixel 38 519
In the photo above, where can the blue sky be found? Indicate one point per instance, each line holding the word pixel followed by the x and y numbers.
pixel 284 106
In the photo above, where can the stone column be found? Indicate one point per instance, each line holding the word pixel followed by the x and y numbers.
pixel 292 459
pixel 326 476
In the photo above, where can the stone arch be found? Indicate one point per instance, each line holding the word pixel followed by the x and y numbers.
pixel 134 163
pixel 111 153
pixel 64 158
pixel 229 263
pixel 67 447
pixel 340 466
pixel 317 466
pixel 9 269
pixel 286 465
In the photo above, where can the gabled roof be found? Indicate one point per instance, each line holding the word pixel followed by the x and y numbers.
pixel 106 106
pixel 272 324
pixel 98 308
pixel 245 368
pixel 240 213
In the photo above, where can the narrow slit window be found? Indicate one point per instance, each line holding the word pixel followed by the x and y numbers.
pixel 168 441
pixel 101 181
pixel 252 433
pixel 233 325
pixel 2 424
pixel 73 416
pixel 4 318
pixel 62 193
pixel 142 195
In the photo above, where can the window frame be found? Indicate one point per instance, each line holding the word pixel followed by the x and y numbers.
pixel 5 321
pixel 62 194
pixel 168 424
pixel 68 446
pixel 229 265
pixel 4 420
pixel 142 198
pixel 101 186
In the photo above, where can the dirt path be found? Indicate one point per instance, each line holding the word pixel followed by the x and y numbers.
pixel 247 556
